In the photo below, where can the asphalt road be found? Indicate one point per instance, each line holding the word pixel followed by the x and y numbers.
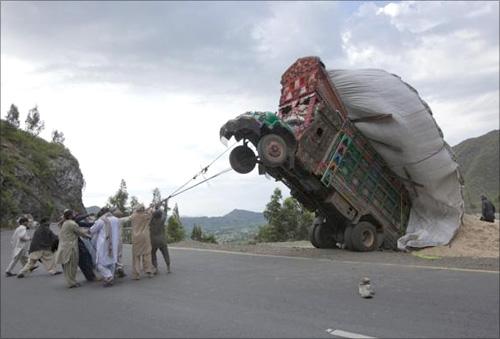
pixel 216 294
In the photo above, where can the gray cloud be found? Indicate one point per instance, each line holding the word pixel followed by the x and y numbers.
pixel 210 47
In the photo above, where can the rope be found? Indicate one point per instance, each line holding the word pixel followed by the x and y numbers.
pixel 197 184
pixel 202 171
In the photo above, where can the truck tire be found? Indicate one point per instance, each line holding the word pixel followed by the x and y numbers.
pixel 312 235
pixel 242 159
pixel 364 237
pixel 273 150
pixel 324 236
pixel 347 237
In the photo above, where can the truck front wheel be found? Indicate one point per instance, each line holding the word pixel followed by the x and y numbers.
pixel 364 237
pixel 242 159
pixel 273 150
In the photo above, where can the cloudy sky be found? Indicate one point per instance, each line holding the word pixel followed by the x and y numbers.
pixel 140 89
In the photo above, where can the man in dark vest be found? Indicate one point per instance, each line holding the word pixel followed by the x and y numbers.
pixel 41 249
pixel 158 238
pixel 85 261
pixel 487 210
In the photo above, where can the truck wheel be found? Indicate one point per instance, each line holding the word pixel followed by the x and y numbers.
pixel 364 237
pixel 312 236
pixel 272 150
pixel 242 159
pixel 324 236
pixel 347 237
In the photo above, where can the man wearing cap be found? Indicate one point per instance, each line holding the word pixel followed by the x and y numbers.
pixel 20 241
pixel 67 252
pixel 40 249
pixel 487 210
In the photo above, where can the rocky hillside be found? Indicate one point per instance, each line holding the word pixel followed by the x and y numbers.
pixel 479 164
pixel 36 176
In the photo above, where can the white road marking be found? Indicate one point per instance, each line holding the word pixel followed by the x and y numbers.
pixel 456 269
pixel 345 334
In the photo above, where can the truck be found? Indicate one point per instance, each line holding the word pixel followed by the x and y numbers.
pixel 331 168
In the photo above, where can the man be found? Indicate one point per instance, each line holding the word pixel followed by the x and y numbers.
pixel 67 252
pixel 120 272
pixel 107 231
pixel 158 239
pixel 20 241
pixel 141 242
pixel 41 249
pixel 487 210
pixel 85 260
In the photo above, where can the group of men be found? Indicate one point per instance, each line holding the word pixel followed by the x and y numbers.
pixel 95 245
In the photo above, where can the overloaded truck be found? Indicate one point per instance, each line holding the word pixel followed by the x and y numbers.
pixel 312 146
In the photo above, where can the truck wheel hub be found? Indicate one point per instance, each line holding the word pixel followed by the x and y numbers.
pixel 368 238
pixel 274 150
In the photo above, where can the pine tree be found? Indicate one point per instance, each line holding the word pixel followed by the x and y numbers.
pixel 133 202
pixel 306 219
pixel 273 207
pixel 175 230
pixel 13 116
pixel 58 137
pixel 119 200
pixel 287 221
pixel 34 124
pixel 156 197
pixel 196 233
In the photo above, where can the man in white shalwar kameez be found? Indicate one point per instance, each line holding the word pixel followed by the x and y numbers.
pixel 106 230
pixel 21 243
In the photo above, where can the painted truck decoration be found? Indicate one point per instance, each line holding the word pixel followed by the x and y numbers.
pixel 330 167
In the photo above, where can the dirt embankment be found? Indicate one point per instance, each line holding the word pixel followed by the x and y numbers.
pixel 475 238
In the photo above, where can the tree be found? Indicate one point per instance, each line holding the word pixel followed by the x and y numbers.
pixel 210 238
pixel 156 197
pixel 286 221
pixel 175 213
pixel 175 230
pixel 13 116
pixel 119 200
pixel 133 202
pixel 266 233
pixel 306 219
pixel 196 233
pixel 57 137
pixel 34 124
pixel 273 207
pixel 289 220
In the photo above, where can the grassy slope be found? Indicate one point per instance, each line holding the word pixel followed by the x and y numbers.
pixel 23 153
pixel 479 165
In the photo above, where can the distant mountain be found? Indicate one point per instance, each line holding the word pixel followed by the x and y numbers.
pixel 92 209
pixel 236 219
pixel 479 164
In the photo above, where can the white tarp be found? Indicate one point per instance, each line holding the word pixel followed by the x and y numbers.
pixel 412 144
